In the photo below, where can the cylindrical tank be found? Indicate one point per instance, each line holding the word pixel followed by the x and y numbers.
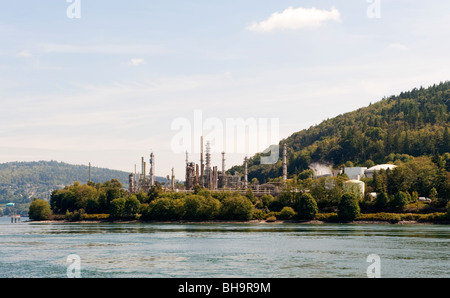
pixel 354 186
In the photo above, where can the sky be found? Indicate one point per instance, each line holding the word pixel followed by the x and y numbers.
pixel 107 82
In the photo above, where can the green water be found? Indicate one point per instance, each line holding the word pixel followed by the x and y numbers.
pixel 222 250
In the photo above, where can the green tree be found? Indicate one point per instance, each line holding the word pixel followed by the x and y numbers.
pixel 448 209
pixel 117 208
pixel 381 201
pixel 39 210
pixel 307 207
pixel 400 200
pixel 197 207
pixel 433 194
pixel 236 207
pixel 154 192
pixel 92 205
pixel 131 207
pixel 266 200
pixel 249 194
pixel 348 208
pixel 162 209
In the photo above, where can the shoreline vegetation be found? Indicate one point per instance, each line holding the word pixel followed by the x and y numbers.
pixel 251 221
pixel 109 202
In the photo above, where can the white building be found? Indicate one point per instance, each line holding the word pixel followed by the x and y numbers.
pixel 355 173
pixel 369 172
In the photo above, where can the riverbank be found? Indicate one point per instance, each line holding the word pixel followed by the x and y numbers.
pixel 256 221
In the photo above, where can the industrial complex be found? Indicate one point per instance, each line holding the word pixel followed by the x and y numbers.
pixel 202 174
pixel 206 175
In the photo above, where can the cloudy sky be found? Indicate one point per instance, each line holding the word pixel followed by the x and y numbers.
pixel 104 81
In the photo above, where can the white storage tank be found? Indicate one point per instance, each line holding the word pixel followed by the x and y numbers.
pixel 355 186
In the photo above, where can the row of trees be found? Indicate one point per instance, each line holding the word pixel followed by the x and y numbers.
pixel 205 205
pixel 423 176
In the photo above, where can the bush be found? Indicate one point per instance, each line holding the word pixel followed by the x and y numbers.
pixel 287 213
pixel 39 210
pixel 327 216
pixel 76 215
pixel 307 207
pixel 390 217
pixel 348 208
pixel 100 216
pixel 259 214
pixel 271 219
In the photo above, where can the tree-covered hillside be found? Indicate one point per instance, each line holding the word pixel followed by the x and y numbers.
pixel 411 124
pixel 20 182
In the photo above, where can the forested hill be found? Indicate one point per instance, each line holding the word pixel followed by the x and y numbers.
pixel 21 181
pixel 413 123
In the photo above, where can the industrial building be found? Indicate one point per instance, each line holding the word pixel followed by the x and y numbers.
pixel 207 176
pixel 369 172
pixel 140 181
pixel 357 173
pixel 203 174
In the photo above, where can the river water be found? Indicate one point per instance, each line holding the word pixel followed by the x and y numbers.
pixel 222 250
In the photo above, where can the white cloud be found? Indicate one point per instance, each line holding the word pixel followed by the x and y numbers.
pixel 136 62
pixel 296 18
pixel 24 54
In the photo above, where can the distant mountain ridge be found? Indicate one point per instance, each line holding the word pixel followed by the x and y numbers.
pixel 22 181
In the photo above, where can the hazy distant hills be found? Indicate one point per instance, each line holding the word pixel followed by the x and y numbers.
pixel 413 123
pixel 22 181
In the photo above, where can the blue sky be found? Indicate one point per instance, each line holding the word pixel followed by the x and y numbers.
pixel 105 88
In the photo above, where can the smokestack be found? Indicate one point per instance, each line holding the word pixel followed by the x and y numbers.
pixel 145 171
pixel 214 178
pixel 202 167
pixel 223 163
pixel 131 183
pixel 173 179
pixel 89 172
pixel 152 169
pixel 208 169
pixel 284 164
pixel 245 172
pixel 142 169
pixel 197 180
pixel 135 176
